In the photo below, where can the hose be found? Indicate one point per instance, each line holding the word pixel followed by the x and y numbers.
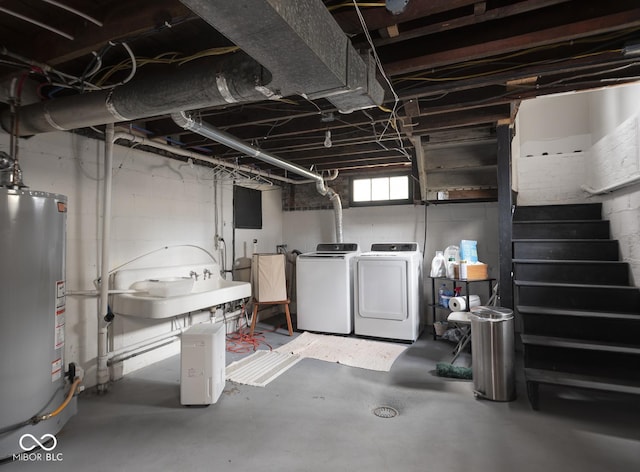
pixel 57 411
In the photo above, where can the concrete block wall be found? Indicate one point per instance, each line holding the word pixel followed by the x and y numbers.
pixel 305 197
pixel 605 126
pixel 157 203
pixel 446 225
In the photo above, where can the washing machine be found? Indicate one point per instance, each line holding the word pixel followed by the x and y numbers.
pixel 324 288
pixel 388 299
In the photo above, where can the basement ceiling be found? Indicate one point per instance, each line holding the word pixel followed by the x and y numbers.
pixel 453 69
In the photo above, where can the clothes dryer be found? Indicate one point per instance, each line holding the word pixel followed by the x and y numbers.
pixel 388 298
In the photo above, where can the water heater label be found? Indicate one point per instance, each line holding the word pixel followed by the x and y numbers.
pixel 60 309
pixel 59 336
pixel 56 369
pixel 60 290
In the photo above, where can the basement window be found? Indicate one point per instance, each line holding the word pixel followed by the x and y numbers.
pixel 388 190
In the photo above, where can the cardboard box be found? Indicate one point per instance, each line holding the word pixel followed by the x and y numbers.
pixel 478 271
pixel 268 279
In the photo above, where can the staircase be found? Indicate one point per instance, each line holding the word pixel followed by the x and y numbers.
pixel 580 316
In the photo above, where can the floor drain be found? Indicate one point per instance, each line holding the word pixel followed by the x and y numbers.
pixel 385 412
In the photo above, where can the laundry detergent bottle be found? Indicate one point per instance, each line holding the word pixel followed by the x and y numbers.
pixel 438 265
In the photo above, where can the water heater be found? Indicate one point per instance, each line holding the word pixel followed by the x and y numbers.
pixel 32 317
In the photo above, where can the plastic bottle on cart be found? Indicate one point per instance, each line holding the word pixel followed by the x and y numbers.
pixel 441 293
pixel 438 265
pixel 451 265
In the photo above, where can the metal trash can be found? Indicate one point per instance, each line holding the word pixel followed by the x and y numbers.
pixel 492 353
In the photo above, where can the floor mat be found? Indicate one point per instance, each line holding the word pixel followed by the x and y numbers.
pixel 260 368
pixel 354 352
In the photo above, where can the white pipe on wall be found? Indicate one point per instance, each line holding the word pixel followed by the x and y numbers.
pixel 103 325
pixel 200 157
pixel 222 137
pixel 119 355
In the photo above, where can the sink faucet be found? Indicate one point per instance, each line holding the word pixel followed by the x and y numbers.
pixel 206 274
pixel 194 274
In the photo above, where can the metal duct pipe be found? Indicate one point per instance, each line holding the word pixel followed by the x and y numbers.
pixel 204 83
pixel 208 131
pixel 301 44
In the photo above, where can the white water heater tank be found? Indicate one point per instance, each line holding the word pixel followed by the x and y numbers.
pixel 32 317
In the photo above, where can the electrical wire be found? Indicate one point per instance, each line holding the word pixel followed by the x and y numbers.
pixel 392 119
pixel 241 342
pixel 359 4
pixel 164 58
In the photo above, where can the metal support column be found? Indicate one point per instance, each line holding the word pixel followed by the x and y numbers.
pixel 505 205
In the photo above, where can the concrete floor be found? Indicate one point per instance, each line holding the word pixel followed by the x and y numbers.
pixel 318 417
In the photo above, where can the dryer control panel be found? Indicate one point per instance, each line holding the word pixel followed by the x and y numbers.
pixel 395 247
pixel 337 247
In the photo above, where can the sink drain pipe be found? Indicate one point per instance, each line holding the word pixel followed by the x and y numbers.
pixel 222 137
pixel 103 320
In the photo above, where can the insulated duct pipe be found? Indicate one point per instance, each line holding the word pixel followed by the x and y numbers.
pixel 208 131
pixel 205 83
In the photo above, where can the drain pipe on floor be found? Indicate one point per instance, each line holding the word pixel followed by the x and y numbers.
pixel 222 137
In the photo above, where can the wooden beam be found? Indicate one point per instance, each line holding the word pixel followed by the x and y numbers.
pixel 544 37
pixel 378 18
pixel 124 21
pixel 467 20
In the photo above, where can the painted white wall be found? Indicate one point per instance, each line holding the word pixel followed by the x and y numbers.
pixel 550 150
pixel 447 224
pixel 157 202
pixel 615 123
pixel 604 125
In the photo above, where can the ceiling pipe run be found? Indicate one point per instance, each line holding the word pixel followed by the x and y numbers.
pixel 134 138
pixel 204 83
pixel 222 137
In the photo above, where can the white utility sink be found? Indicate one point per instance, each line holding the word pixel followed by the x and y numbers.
pixel 171 299
pixel 164 287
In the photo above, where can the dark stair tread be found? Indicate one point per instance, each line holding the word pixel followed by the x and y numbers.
pixel 573 210
pixel 566 249
pixel 560 270
pixel 525 222
pixel 582 381
pixel 542 310
pixel 569 261
pixel 589 345
pixel 534 283
pixel 561 229
pixel 563 240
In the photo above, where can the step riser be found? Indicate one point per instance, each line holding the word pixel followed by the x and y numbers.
pixel 597 274
pixel 590 211
pixel 592 329
pixel 605 250
pixel 562 230
pixel 581 298
pixel 611 364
